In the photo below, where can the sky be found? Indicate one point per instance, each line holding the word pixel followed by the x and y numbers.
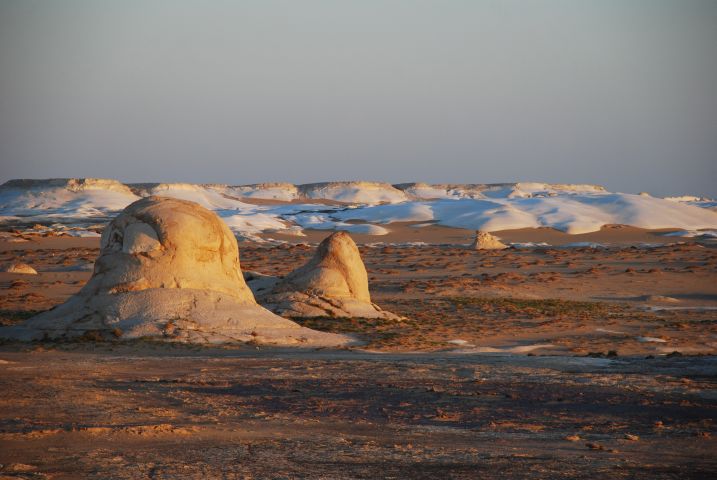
pixel 613 92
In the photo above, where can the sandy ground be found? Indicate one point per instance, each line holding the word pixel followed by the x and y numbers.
pixel 521 363
pixel 149 411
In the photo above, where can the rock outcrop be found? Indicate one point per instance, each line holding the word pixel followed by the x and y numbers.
pixel 486 241
pixel 333 283
pixel 168 268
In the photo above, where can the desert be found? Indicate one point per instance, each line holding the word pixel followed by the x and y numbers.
pixel 358 239
pixel 465 359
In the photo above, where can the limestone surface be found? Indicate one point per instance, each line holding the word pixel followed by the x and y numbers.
pixel 333 283
pixel 169 268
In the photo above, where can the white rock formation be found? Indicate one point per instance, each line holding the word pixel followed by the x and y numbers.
pixel 169 268
pixel 20 268
pixel 486 241
pixel 333 283
pixel 574 209
pixel 371 193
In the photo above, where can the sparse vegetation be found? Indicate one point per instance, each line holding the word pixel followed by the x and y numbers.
pixel 432 322
pixel 549 307
pixel 12 317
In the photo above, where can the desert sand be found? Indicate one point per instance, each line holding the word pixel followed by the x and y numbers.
pixel 152 410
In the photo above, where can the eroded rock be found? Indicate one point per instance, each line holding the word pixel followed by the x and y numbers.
pixel 168 268
pixel 333 283
pixel 486 241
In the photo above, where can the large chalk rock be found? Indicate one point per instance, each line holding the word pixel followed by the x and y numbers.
pixel 169 268
pixel 333 283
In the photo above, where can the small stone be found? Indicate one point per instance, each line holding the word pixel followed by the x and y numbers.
pixel 21 467
pixel 23 268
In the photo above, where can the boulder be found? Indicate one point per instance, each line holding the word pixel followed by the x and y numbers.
pixel 168 268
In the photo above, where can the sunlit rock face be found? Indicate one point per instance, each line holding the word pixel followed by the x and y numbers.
pixel 168 268
pixel 167 243
pixel 333 283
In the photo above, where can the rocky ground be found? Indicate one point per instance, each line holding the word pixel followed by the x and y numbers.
pixel 156 411
pixel 574 301
pixel 521 363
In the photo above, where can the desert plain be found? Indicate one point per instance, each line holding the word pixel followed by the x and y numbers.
pixel 586 361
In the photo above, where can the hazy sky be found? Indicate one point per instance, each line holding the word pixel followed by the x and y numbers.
pixel 616 92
